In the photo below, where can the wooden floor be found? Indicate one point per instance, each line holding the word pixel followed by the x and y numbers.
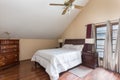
pixel 27 71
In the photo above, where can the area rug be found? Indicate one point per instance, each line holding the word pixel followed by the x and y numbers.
pixel 81 71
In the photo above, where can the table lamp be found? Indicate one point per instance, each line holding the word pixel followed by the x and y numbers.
pixel 60 41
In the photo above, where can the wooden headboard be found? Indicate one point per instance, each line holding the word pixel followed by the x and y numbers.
pixel 75 41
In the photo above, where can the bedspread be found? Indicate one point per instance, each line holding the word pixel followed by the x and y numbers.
pixel 58 60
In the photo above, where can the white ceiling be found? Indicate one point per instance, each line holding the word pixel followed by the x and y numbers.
pixel 34 18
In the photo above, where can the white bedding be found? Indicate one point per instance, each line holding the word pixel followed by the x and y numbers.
pixel 57 60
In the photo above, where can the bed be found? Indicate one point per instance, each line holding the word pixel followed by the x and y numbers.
pixel 59 60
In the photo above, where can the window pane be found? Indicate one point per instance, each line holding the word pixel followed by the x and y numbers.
pixel 101 29
pixel 100 54
pixel 114 34
pixel 101 36
pixel 114 46
pixel 98 46
pixel 115 27
pixel 100 42
pixel 114 42
pixel 99 50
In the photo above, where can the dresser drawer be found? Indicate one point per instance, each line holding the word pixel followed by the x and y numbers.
pixel 2 60
pixel 90 59
pixel 11 58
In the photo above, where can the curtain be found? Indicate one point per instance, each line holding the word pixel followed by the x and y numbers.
pixel 88 35
pixel 117 52
pixel 107 59
pixel 93 36
pixel 89 31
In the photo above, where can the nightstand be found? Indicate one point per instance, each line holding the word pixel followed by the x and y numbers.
pixel 90 59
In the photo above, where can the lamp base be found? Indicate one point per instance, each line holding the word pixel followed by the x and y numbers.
pixel 60 45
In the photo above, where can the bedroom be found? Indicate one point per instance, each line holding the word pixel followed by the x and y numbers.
pixel 24 20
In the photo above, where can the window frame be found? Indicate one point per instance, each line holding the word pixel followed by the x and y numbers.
pixel 103 25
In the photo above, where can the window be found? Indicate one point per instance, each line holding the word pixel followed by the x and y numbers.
pixel 100 38
pixel 114 36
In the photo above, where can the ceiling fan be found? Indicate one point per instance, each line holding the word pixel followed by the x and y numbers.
pixel 68 5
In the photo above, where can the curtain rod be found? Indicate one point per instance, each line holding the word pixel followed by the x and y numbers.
pixel 104 23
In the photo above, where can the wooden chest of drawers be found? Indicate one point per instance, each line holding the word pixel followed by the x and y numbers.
pixel 9 52
pixel 90 59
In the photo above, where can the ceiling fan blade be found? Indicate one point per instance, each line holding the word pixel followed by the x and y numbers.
pixel 78 7
pixel 57 4
pixel 65 10
pixel 71 1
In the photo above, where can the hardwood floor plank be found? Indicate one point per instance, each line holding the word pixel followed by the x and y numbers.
pixel 24 71
pixel 68 76
pixel 27 71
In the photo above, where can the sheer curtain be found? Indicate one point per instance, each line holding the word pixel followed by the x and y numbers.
pixel 117 52
pixel 93 36
pixel 107 59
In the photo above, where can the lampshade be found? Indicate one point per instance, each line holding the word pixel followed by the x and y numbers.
pixel 89 41
pixel 60 40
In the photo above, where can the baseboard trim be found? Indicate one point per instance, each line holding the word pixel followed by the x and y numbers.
pixel 25 60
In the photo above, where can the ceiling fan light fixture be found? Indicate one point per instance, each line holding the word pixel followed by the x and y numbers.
pixel 68 6
pixel 69 11
pixel 72 7
pixel 66 1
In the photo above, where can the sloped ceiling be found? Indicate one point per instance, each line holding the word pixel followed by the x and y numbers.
pixel 34 18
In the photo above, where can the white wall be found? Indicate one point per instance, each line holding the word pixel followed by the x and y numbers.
pixel 95 11
pixel 29 46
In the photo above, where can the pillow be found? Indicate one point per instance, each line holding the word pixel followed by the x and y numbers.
pixel 67 46
pixel 77 47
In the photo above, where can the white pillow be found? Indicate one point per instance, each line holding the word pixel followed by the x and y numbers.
pixel 67 46
pixel 77 47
